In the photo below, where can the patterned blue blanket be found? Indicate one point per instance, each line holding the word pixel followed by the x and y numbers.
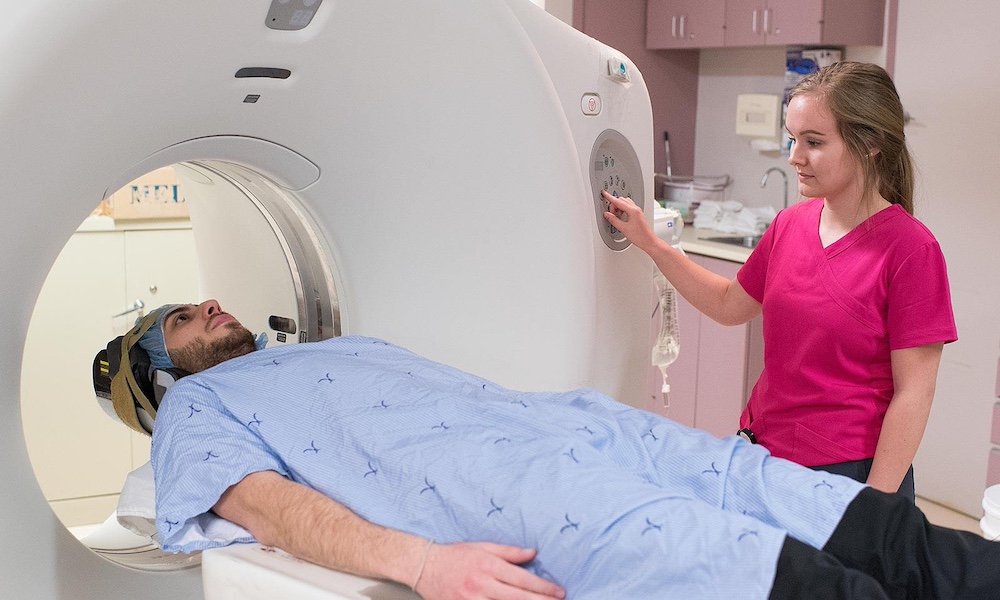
pixel 620 503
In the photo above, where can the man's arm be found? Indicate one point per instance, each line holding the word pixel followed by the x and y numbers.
pixel 313 527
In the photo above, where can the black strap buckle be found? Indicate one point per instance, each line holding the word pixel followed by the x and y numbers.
pixel 748 435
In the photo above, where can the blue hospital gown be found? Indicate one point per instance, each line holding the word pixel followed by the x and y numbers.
pixel 620 503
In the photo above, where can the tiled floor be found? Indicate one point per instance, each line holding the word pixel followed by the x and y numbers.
pixel 944 516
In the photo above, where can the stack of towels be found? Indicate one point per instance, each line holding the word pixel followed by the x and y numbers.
pixel 730 216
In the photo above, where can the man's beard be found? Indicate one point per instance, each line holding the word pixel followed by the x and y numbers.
pixel 199 355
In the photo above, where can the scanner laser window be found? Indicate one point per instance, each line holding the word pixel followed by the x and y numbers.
pixel 291 15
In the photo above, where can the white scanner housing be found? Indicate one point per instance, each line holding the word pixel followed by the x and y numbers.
pixel 429 172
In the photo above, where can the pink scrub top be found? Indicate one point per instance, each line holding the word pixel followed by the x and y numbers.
pixel 831 317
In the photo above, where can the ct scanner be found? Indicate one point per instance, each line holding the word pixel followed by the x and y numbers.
pixel 428 170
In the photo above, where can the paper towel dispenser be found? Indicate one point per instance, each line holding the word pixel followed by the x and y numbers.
pixel 758 115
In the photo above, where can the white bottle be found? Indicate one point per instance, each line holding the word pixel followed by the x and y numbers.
pixel 668 225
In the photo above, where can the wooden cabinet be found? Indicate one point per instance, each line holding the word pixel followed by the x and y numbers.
pixel 79 454
pixel 741 23
pixel 711 380
pixel 804 22
pixel 685 23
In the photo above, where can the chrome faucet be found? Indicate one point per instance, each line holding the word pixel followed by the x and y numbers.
pixel 763 180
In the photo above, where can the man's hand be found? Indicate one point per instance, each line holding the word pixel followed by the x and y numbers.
pixel 482 571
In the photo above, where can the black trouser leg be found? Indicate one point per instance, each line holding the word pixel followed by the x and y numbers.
pixel 858 470
pixel 888 537
pixel 805 572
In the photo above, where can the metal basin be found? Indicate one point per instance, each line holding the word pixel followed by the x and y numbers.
pixel 746 241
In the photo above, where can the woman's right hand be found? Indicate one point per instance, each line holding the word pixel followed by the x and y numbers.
pixel 628 218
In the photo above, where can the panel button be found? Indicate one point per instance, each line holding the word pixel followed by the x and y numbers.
pixel 618 70
pixel 591 104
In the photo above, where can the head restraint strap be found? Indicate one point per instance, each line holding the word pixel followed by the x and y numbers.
pixel 125 390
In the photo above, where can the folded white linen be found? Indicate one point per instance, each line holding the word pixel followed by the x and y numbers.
pixel 136 506
pixel 731 216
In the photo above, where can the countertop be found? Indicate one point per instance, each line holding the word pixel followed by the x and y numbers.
pixel 692 243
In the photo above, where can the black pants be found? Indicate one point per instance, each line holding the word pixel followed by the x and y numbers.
pixel 884 548
pixel 858 470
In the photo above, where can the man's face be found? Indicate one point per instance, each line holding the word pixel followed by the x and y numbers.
pixel 201 336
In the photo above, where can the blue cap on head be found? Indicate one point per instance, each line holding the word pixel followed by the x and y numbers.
pixel 152 341
pixel 260 340
pixel 155 344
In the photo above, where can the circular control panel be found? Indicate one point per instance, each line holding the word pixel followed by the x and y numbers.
pixel 614 168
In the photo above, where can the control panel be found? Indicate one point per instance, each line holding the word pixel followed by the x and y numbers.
pixel 614 168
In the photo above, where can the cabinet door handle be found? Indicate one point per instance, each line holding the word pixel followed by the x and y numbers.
pixel 682 27
pixel 673 26
pixel 139 305
pixel 753 22
pixel 767 21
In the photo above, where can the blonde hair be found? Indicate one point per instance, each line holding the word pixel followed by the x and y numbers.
pixel 869 114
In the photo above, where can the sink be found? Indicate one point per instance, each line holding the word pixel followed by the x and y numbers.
pixel 745 241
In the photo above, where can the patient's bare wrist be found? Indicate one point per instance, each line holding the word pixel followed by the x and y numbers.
pixel 423 563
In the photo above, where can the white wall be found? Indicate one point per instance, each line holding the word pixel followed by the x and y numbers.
pixel 724 74
pixel 947 60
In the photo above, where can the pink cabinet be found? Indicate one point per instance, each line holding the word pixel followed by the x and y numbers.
pixel 685 23
pixel 797 22
pixel 717 368
pixel 736 23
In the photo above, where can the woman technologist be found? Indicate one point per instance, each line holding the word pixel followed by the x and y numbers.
pixel 853 289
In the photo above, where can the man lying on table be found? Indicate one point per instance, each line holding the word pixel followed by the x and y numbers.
pixel 358 455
